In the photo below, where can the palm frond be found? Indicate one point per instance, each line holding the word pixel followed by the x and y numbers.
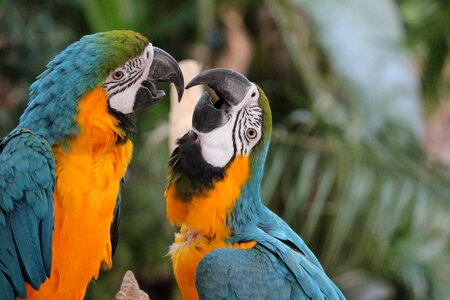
pixel 353 178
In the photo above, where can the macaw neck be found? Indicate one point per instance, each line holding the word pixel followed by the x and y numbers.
pixel 231 204
pixel 208 212
pixel 248 206
pixel 54 97
pixel 91 117
pixel 53 122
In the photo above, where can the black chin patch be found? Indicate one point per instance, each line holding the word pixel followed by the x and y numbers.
pixel 127 123
pixel 190 173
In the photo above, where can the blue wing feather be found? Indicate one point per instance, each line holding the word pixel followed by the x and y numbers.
pixel 280 266
pixel 280 237
pixel 274 226
pixel 267 271
pixel 9 264
pixel 6 290
pixel 27 179
pixel 245 274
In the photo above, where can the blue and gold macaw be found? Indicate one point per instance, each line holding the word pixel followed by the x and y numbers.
pixel 231 246
pixel 61 168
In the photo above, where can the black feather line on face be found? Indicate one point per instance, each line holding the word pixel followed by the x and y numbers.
pixel 190 173
pixel 127 123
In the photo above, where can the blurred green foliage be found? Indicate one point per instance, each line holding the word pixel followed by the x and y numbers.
pixel 346 167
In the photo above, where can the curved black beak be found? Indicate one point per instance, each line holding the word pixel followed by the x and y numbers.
pixel 164 68
pixel 231 88
pixel 206 117
pixel 229 85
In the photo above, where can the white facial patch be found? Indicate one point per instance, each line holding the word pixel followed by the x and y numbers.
pixel 123 83
pixel 217 146
pixel 238 136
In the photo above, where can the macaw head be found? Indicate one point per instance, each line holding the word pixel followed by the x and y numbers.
pixel 122 63
pixel 237 123
pixel 222 157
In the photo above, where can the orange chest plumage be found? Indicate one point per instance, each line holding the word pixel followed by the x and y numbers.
pixel 203 224
pixel 88 173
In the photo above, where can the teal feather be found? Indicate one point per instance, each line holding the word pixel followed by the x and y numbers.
pixel 46 226
pixel 7 201
pixel 10 272
pixel 245 274
pixel 24 226
pixel 26 212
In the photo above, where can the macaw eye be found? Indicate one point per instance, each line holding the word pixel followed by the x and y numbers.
pixel 251 133
pixel 117 75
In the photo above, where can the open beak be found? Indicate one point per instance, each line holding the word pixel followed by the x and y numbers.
pixel 164 68
pixel 230 88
